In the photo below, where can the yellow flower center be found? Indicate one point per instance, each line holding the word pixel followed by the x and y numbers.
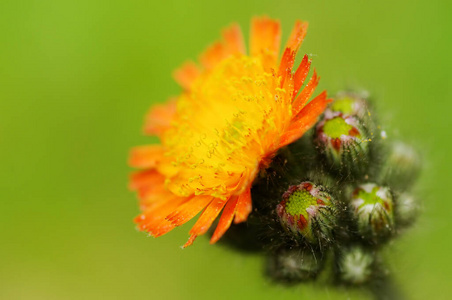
pixel 231 118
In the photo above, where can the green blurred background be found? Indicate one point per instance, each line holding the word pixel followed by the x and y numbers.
pixel 77 77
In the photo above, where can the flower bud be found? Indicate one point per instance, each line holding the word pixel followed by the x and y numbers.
pixel 293 266
pixel 308 211
pixel 349 104
pixel 406 209
pixel 343 141
pixel 401 167
pixel 355 265
pixel 372 208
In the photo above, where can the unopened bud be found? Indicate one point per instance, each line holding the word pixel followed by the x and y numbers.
pixel 349 104
pixel 355 265
pixel 406 209
pixel 343 141
pixel 307 210
pixel 372 207
pixel 401 167
pixel 293 266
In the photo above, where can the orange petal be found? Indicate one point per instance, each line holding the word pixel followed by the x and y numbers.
pixel 225 219
pixel 244 207
pixel 189 210
pixel 265 40
pixel 314 108
pixel 146 156
pixel 297 36
pixel 186 74
pixel 143 178
pixel 160 117
pixel 305 119
pixel 153 219
pixel 213 55
pixel 305 94
pixel 162 228
pixel 206 219
pixel 149 185
pixel 286 65
pixel 300 75
pixel 234 40
pixel 151 195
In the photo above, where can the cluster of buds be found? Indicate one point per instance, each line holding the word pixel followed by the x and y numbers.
pixel 343 206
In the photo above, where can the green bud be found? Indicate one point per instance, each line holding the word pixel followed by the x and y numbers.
pixel 307 210
pixel 355 265
pixel 401 167
pixel 372 208
pixel 343 141
pixel 347 103
pixel 293 266
pixel 406 209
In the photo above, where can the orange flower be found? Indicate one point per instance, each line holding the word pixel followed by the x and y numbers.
pixel 234 114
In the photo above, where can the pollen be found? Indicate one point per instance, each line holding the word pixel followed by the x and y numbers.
pixel 220 118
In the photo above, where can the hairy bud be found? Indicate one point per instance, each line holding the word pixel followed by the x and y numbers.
pixel 293 266
pixel 406 209
pixel 350 104
pixel 355 265
pixel 307 210
pixel 401 167
pixel 343 141
pixel 372 208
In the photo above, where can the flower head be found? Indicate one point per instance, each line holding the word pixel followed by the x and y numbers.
pixel 236 110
